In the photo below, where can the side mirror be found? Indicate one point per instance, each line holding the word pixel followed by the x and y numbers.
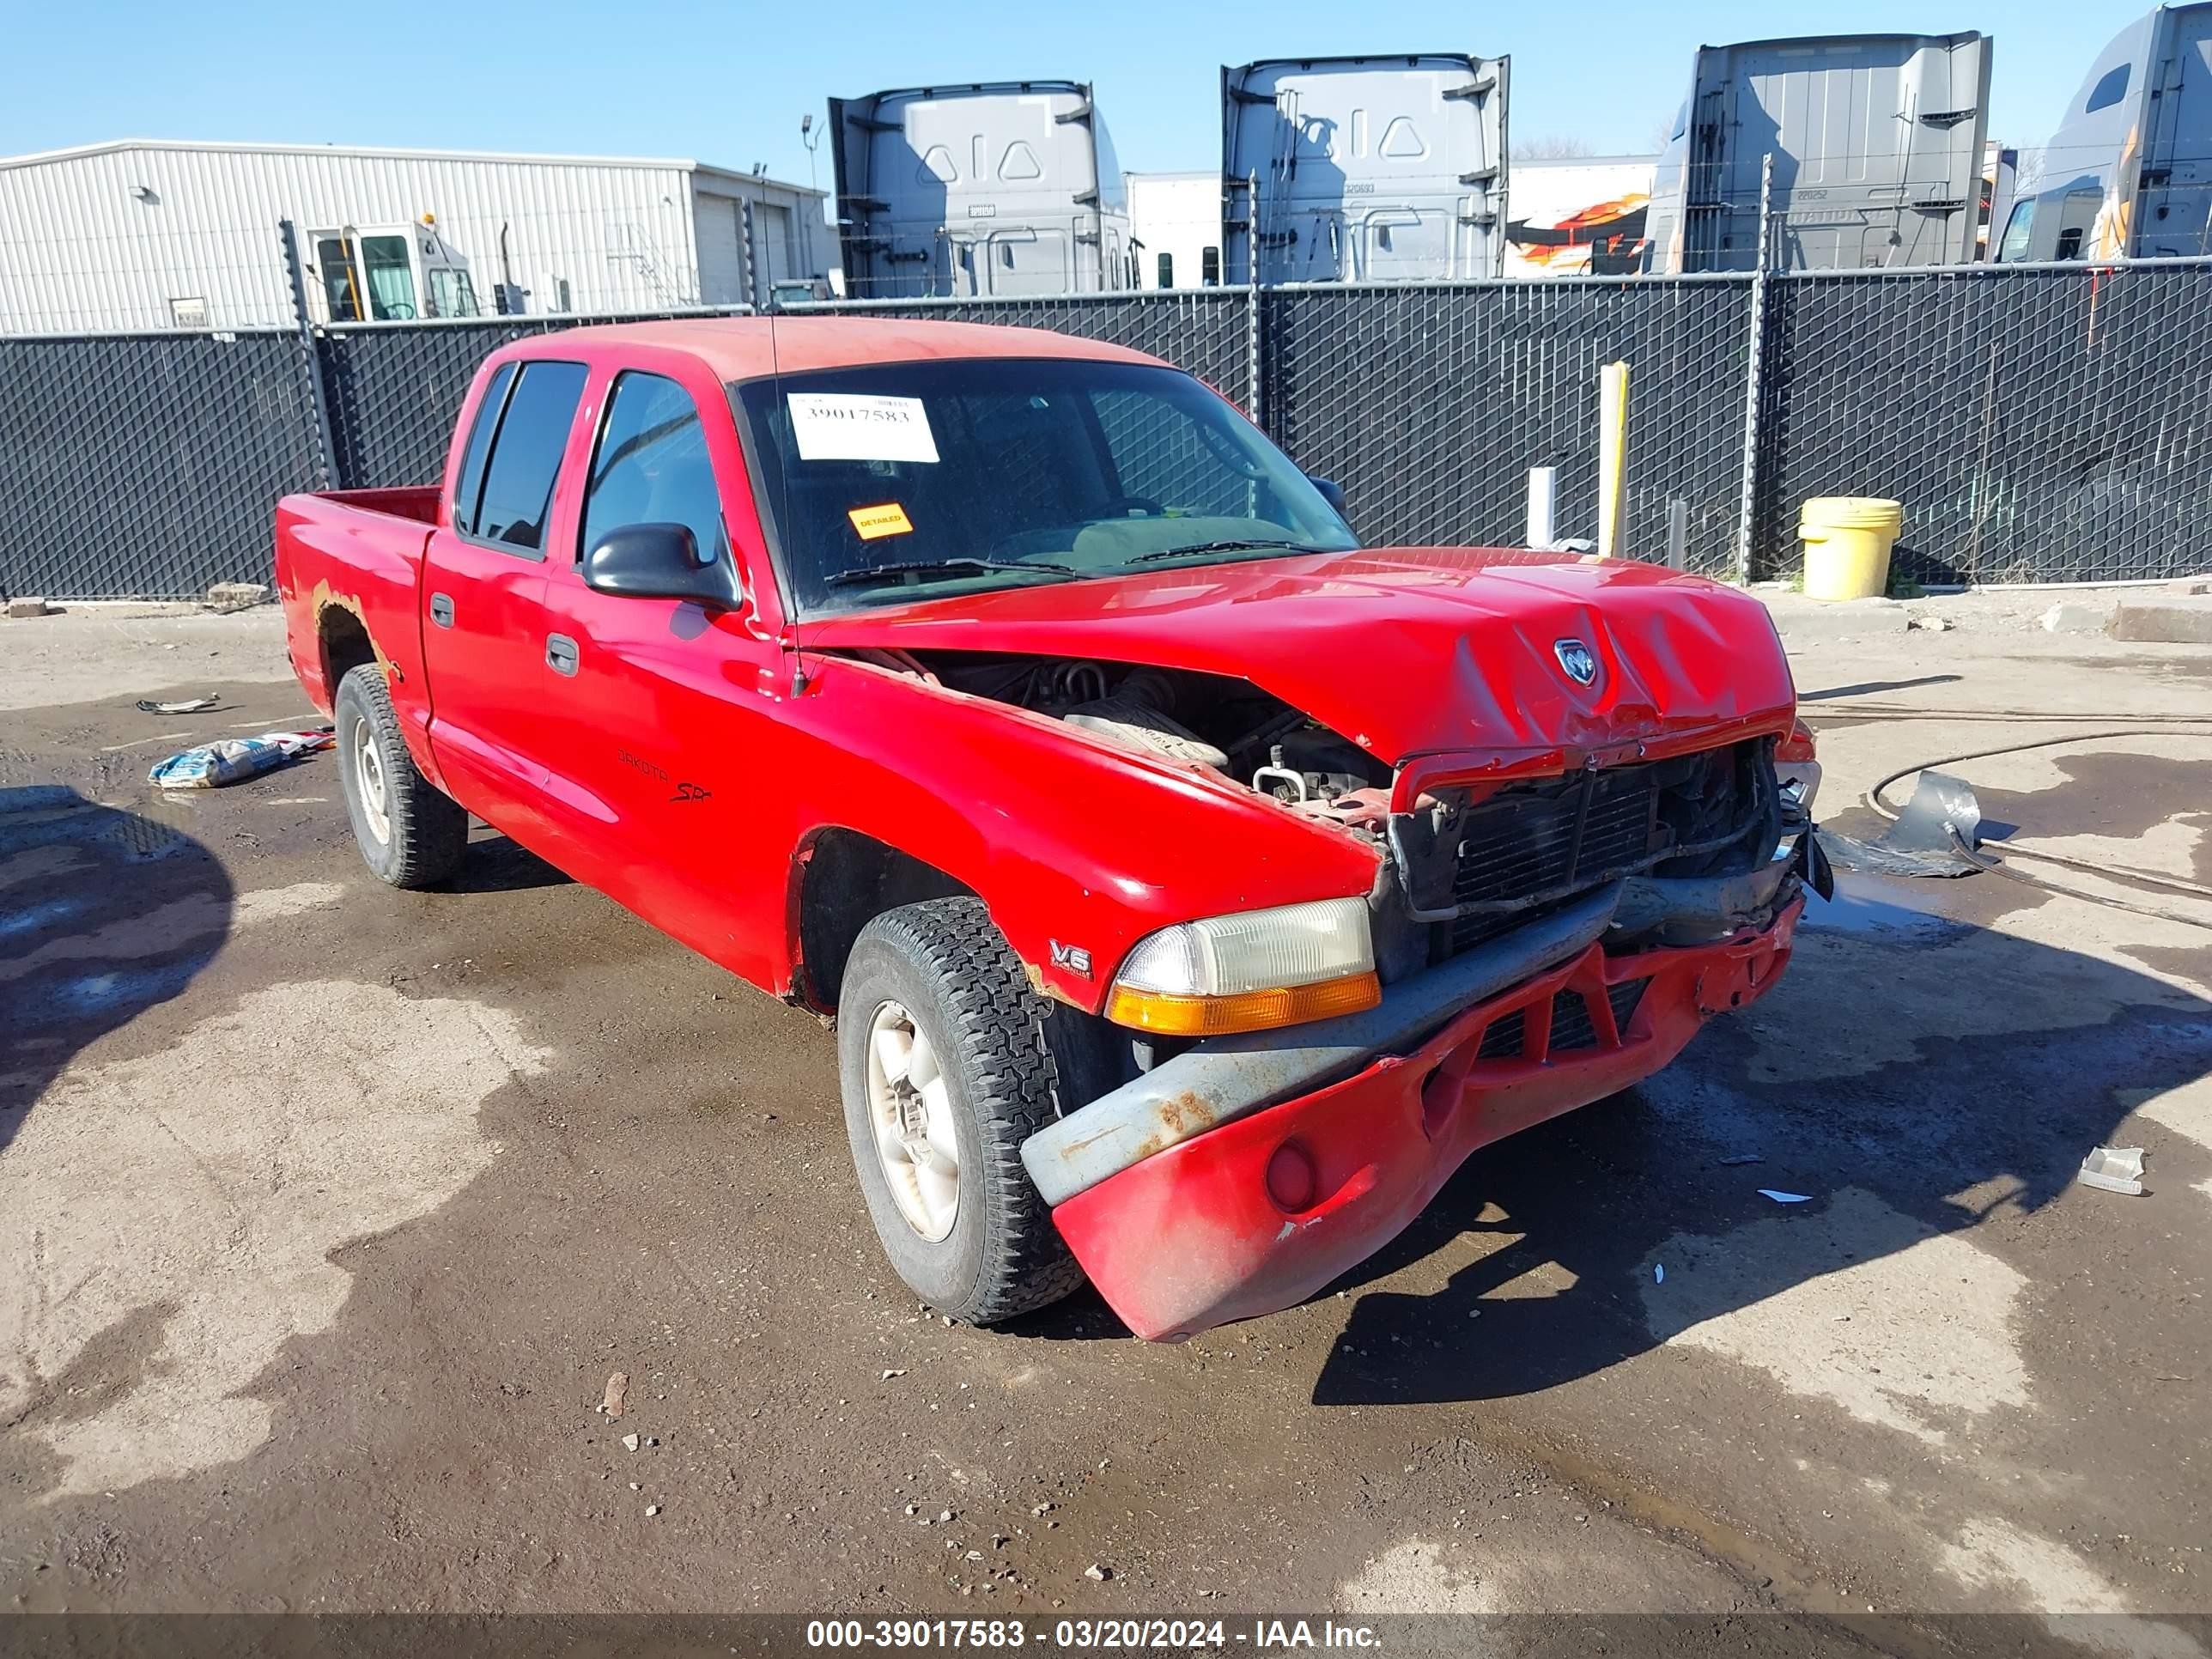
pixel 658 561
pixel 1331 491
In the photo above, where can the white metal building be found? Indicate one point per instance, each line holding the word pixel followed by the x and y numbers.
pixel 145 235
pixel 1174 227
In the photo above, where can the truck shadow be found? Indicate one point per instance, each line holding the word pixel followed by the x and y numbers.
pixel 103 914
pixel 1976 1096
pixel 498 864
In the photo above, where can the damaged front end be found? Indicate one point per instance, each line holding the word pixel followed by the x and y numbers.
pixel 1541 940
pixel 1544 928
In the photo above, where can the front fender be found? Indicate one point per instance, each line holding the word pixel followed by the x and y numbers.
pixel 1079 847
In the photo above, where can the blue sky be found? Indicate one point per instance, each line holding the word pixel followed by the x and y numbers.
pixel 728 84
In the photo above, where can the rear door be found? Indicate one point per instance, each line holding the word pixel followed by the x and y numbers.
pixel 2176 205
pixel 484 581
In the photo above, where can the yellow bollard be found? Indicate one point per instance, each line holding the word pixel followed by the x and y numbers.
pixel 1847 541
pixel 1612 458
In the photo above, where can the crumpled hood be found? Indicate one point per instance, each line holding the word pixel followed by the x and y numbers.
pixel 1408 651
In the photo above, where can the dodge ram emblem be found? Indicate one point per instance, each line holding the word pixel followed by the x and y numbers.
pixel 1578 659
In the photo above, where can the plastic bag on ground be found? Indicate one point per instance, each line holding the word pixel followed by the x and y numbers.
pixel 211 765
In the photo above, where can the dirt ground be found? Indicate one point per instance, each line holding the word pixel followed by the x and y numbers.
pixel 326 1211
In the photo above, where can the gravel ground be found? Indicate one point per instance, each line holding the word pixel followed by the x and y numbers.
pixel 327 1211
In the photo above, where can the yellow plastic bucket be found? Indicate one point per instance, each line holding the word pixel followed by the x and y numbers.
pixel 1847 541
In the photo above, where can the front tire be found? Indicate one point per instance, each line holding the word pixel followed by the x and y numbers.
pixel 945 1071
pixel 412 834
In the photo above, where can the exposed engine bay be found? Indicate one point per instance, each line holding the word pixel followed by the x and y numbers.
pixel 1229 725
pixel 1468 864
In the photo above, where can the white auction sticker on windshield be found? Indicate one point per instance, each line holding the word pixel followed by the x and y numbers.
pixel 840 426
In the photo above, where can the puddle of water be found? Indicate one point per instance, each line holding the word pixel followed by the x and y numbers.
pixel 1868 905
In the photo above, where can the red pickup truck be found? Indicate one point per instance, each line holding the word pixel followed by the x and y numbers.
pixel 1194 888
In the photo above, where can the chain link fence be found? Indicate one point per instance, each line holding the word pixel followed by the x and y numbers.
pixel 149 466
pixel 1209 332
pixel 1430 403
pixel 2048 423
pixel 394 391
pixel 2038 423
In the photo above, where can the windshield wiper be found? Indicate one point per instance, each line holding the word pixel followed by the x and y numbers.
pixel 1234 546
pixel 939 568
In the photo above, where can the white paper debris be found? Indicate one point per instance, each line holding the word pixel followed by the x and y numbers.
pixel 841 426
pixel 1785 1198
pixel 1658 1273
pixel 2114 1169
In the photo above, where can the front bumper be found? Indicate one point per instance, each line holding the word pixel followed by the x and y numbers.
pixel 1184 1234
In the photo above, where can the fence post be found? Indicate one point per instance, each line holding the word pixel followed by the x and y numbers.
pixel 326 454
pixel 1252 271
pixel 1612 458
pixel 1254 359
pixel 1543 499
pixel 1755 374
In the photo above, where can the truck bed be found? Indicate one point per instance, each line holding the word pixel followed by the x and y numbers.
pixel 349 570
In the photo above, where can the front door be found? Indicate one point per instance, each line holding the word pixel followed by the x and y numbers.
pixel 666 754
pixel 483 585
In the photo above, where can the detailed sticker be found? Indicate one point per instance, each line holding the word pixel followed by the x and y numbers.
pixel 889 520
pixel 840 426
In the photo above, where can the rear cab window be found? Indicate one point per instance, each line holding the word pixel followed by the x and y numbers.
pixel 468 489
pixel 512 503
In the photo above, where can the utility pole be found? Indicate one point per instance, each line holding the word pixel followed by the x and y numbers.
pixel 811 139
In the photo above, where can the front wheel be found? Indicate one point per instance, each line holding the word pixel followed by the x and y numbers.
pixel 945 1072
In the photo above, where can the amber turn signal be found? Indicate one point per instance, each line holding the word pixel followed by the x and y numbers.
pixel 1170 1015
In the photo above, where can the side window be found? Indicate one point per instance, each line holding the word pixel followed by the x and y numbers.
pixel 1209 267
pixel 525 454
pixel 391 278
pixel 2108 91
pixel 1167 270
pixel 2078 216
pixel 468 489
pixel 2017 230
pixel 341 287
pixel 651 466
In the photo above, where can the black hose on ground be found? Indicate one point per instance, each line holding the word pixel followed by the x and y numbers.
pixel 1997 868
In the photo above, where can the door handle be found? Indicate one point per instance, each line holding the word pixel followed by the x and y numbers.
pixel 441 609
pixel 561 654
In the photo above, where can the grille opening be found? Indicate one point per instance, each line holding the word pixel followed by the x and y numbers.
pixel 1503 1040
pixel 1625 997
pixel 1572 1025
pixel 1567 834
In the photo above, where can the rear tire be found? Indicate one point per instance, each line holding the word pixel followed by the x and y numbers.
pixel 412 834
pixel 945 1071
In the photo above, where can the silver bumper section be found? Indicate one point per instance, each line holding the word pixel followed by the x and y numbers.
pixel 1232 1077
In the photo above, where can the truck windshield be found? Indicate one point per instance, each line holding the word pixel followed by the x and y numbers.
pixel 908 481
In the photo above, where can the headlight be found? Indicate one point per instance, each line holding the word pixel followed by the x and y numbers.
pixel 1249 972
